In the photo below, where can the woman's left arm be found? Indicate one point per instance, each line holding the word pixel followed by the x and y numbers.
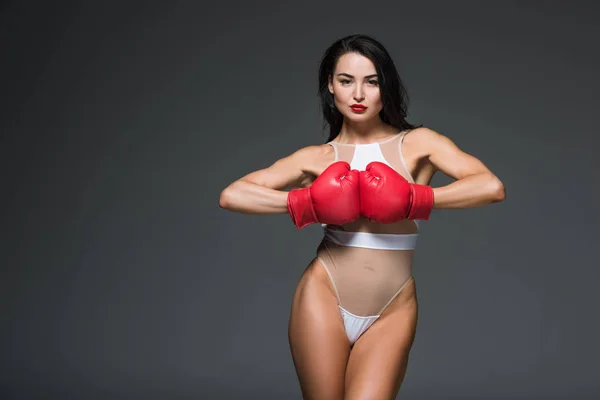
pixel 475 184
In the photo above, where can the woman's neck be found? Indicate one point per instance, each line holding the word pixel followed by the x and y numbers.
pixel 366 132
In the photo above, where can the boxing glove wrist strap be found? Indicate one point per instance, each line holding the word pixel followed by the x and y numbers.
pixel 300 207
pixel 421 201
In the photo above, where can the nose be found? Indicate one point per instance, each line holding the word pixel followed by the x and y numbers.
pixel 359 94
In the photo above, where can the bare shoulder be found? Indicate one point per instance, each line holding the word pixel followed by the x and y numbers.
pixel 313 160
pixel 424 140
pixel 302 156
pixel 310 162
pixel 313 152
pixel 297 169
pixel 443 154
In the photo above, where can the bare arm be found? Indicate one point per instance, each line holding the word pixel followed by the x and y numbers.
pixel 475 184
pixel 262 191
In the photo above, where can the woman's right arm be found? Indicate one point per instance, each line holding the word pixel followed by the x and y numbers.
pixel 261 192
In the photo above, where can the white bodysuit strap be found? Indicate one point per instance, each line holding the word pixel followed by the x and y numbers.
pixel 406 170
pixel 335 151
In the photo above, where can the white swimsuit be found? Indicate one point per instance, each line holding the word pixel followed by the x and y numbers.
pixel 368 270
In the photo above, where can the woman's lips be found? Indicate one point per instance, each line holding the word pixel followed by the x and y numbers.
pixel 358 108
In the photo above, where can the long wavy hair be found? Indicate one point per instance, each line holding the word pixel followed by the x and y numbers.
pixel 393 93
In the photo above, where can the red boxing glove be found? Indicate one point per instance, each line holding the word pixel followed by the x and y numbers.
pixel 331 199
pixel 387 197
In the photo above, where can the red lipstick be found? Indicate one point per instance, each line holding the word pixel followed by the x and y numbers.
pixel 358 108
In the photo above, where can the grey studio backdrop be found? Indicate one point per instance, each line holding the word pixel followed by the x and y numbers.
pixel 121 123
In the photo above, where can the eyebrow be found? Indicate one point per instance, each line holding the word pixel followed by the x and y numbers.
pixel 350 76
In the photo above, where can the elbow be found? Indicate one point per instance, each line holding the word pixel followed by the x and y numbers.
pixel 497 190
pixel 225 199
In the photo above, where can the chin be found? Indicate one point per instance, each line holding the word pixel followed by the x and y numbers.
pixel 360 117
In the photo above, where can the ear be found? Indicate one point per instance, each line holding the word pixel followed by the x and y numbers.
pixel 330 84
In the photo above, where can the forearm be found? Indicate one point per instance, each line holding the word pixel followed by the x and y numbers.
pixel 250 198
pixel 471 191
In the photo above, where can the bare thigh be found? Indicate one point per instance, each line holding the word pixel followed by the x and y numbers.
pixel 318 341
pixel 379 358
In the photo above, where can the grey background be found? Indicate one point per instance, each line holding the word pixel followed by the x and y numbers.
pixel 122 122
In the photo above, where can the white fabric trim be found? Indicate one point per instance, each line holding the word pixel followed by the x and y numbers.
pixel 381 241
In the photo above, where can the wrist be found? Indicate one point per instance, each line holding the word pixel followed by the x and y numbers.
pixel 300 208
pixel 421 202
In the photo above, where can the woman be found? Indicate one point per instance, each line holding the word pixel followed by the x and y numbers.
pixel 354 312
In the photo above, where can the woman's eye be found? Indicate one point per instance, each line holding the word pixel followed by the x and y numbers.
pixel 373 82
pixel 345 81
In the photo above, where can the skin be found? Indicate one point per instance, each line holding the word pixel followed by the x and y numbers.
pixel 374 368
